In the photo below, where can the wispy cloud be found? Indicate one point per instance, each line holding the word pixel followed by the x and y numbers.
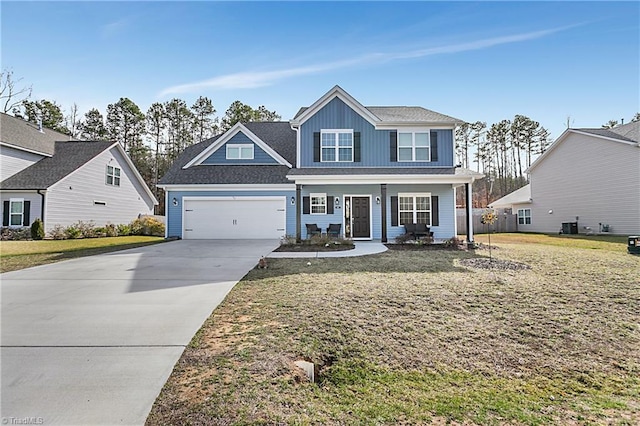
pixel 249 80
pixel 114 28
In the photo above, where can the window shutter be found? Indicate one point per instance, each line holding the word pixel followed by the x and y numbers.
pixel 26 213
pixel 316 147
pixel 357 157
pixel 393 146
pixel 434 145
pixel 306 205
pixel 330 201
pixel 435 211
pixel 394 211
pixel 5 214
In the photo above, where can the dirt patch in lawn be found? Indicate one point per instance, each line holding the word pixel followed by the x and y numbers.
pixel 417 337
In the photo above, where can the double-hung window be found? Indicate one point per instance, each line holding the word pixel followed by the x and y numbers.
pixel 413 146
pixel 524 216
pixel 336 145
pixel 113 176
pixel 240 151
pixel 318 203
pixel 414 208
pixel 16 211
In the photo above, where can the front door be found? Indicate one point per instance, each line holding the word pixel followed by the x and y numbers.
pixel 360 220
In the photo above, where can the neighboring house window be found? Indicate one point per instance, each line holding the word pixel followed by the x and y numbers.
pixel 318 203
pixel 413 146
pixel 16 211
pixel 414 208
pixel 240 151
pixel 113 176
pixel 336 145
pixel 524 216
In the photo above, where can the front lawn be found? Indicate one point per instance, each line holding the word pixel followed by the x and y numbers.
pixel 16 255
pixel 409 337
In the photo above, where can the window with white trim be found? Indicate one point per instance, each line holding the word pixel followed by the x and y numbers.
pixel 414 208
pixel 16 211
pixel 113 176
pixel 414 146
pixel 318 203
pixel 240 151
pixel 524 216
pixel 336 145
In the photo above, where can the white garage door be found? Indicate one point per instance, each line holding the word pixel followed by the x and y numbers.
pixel 234 218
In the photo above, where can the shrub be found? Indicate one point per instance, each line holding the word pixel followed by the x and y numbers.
pixel 404 238
pixel 426 240
pixel 452 243
pixel 147 225
pixel 72 232
pixel 123 230
pixel 87 229
pixel 288 240
pixel 37 230
pixel 110 230
pixel 100 231
pixel 15 234
pixel 58 233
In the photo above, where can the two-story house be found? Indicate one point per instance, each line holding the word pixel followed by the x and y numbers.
pixel 367 170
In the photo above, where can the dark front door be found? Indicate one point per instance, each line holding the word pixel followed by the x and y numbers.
pixel 360 217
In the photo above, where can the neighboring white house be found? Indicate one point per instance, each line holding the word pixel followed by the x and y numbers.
pixel 588 176
pixel 45 175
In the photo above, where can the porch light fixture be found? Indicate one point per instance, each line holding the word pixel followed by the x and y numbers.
pixel 337 201
pixel 175 201
pixel 293 201
pixel 377 200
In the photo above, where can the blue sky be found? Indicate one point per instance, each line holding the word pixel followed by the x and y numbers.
pixel 474 61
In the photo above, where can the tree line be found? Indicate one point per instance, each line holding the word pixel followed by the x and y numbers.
pixel 153 140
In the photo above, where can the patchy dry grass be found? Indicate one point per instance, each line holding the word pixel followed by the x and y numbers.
pixel 414 338
pixel 15 255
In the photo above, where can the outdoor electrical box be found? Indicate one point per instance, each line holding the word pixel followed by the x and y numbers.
pixel 634 245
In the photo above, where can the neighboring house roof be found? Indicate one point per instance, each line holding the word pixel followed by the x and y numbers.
pixel 519 196
pixel 628 133
pixel 20 134
pixel 376 114
pixel 277 135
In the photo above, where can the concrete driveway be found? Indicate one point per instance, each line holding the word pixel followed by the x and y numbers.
pixel 93 340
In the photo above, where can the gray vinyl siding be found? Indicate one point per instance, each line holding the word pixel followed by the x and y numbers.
pixel 259 155
pixel 14 160
pixel 374 143
pixel 34 197
pixel 174 213
pixel 72 198
pixel 594 179
pixel 446 201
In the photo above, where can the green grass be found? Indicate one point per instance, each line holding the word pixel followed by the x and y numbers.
pixel 604 242
pixel 410 337
pixel 16 255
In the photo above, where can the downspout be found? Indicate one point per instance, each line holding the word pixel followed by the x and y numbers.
pixel 42 207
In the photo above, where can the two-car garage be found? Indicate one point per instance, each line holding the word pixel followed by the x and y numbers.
pixel 234 217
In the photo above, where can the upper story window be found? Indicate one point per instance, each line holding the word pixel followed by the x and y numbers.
pixel 336 145
pixel 413 146
pixel 240 151
pixel 113 176
pixel 414 208
pixel 318 203
pixel 16 211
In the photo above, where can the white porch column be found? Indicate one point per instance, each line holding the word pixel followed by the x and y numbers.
pixel 468 187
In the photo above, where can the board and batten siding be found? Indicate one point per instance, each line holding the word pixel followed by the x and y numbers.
pixel 374 143
pixel 174 212
pixel 14 160
pixel 589 177
pixel 259 155
pixel 74 197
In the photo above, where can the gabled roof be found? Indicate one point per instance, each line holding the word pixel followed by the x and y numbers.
pixel 20 134
pixel 627 134
pixel 369 175
pixel 519 196
pixel 68 157
pixel 376 115
pixel 277 135
pixel 241 128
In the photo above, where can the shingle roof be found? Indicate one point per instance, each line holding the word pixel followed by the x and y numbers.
pixel 408 114
pixel 278 135
pixel 338 171
pixel 68 157
pixel 627 132
pixel 22 134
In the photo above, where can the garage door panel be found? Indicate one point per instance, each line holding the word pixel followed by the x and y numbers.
pixel 251 218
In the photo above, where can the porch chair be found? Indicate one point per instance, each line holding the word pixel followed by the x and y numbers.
pixel 312 229
pixel 334 230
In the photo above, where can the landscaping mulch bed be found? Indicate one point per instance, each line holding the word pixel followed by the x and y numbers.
pixel 419 247
pixel 314 248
